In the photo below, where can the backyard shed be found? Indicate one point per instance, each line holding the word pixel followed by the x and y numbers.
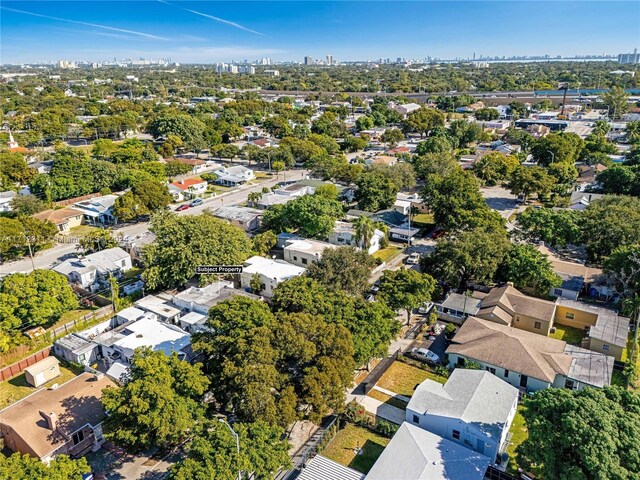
pixel 43 371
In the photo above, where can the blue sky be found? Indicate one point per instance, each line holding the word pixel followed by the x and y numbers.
pixel 210 31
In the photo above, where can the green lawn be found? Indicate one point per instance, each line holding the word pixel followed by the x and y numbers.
pixel 423 219
pixel 402 378
pixel 570 335
pixel 83 230
pixel 388 399
pixel 16 388
pixel 351 439
pixel 519 434
pixel 386 254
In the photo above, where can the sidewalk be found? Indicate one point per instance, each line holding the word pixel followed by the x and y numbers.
pixel 392 394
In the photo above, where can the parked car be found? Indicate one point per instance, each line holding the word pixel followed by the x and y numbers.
pixel 425 355
pixel 182 207
pixel 425 308
pixel 414 258
pixel 375 288
pixel 196 202
pixel 438 232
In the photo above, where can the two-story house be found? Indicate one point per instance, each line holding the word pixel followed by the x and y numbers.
pixel 344 233
pixel 270 272
pixel 188 188
pixel 304 252
pixel 473 408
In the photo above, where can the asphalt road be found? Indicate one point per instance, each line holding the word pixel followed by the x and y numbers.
pixel 60 252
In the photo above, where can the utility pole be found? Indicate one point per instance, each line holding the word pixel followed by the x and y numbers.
pixel 235 435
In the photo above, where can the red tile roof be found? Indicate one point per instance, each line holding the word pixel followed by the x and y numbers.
pixel 188 182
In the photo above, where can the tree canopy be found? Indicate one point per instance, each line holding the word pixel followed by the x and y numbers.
pixel 344 268
pixel 25 466
pixel 312 216
pixel 406 289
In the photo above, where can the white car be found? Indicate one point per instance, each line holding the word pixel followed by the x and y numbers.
pixel 425 308
pixel 424 354
pixel 413 259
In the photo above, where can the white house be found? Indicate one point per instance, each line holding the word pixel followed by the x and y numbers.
pixel 344 234
pixel 162 309
pixel 417 454
pixel 98 210
pixel 94 269
pixel 304 252
pixel 405 109
pixel 233 176
pixel 5 200
pixel 248 219
pixel 271 273
pixel 473 408
pixel 200 300
pixel 188 188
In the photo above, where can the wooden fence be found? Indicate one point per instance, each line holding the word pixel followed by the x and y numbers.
pixel 18 367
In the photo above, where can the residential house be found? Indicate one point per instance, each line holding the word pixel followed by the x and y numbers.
pixel 65 420
pixel 403 233
pixel 581 200
pixel 417 454
pixel 93 270
pixel 283 238
pixel 473 408
pixel 268 200
pixel 527 360
pixel 405 109
pixel 304 252
pixel 577 278
pixel 162 309
pixel 248 219
pixel 41 372
pixel 188 188
pixel 64 218
pixel 344 233
pixel 197 165
pixel 381 160
pixel 607 332
pixel 457 307
pixel 5 200
pixel 74 348
pixel 587 176
pixel 201 299
pixel 120 344
pixel 233 176
pixel 415 199
pixel 271 273
pixel 402 206
pixel 98 210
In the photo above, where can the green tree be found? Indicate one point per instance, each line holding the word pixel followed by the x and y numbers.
pixel 406 289
pixel 423 120
pixel 364 230
pixel 610 222
pixel 580 434
pixel 97 240
pixel 437 144
pixel 129 207
pixel 375 191
pixel 554 227
pixel 473 255
pixel 527 180
pixel 60 468
pixel 486 114
pixel 264 242
pixel 557 147
pixel 37 298
pixel 402 174
pixel 529 269
pixel 311 216
pixel 495 167
pixel 616 100
pixel 159 403
pixel 364 122
pixel 213 453
pixel 391 136
pixel 256 284
pixel 345 268
pixel 623 265
pixel 184 242
pixel 152 194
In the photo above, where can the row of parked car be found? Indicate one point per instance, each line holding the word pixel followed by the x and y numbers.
pixel 193 203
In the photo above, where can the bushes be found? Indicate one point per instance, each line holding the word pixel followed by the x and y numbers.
pixel 356 414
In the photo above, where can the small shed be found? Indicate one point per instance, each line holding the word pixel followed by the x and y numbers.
pixel 40 373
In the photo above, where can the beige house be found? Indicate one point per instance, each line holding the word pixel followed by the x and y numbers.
pixel 65 218
pixel 66 420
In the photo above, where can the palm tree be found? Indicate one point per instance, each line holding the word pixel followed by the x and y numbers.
pixel 364 228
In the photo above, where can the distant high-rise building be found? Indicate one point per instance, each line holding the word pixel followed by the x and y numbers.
pixel 329 59
pixel 308 60
pixel 265 61
pixel 629 58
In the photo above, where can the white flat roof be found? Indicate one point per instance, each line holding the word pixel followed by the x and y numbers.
pixel 279 270
pixel 148 332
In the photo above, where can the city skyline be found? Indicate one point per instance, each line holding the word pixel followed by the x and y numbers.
pixel 210 32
